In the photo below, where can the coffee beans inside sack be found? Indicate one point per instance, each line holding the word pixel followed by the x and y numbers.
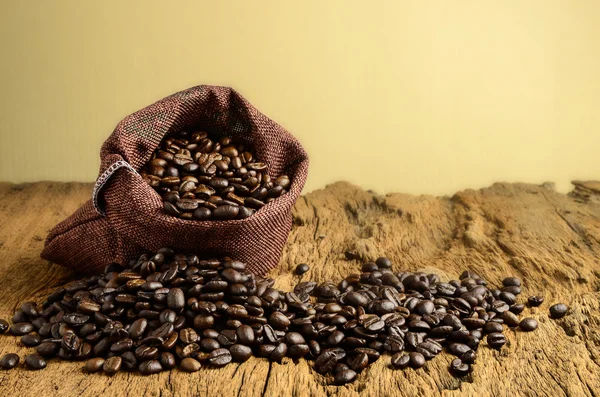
pixel 205 178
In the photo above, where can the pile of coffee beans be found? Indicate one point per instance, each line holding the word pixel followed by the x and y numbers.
pixel 168 310
pixel 202 178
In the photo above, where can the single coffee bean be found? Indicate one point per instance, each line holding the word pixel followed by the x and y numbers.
pixel 94 364
pixel 558 310
pixel 167 360
pixel 510 319
pixel 279 352
pixel 528 324
pixel 240 353
pixel 302 268
pixel 245 335
pixel 31 340
pixel 219 357
pixel 496 340
pixel 9 361
pixel 176 299
pixel 70 342
pixel 468 357
pixel 345 376
pixel 20 329
pixel 3 326
pixel 517 308
pixel 47 349
pixel 400 360
pixel 357 362
pixel 383 263
pixel 203 214
pixel 128 361
pixel 138 328
pixel 511 281
pixel 188 335
pixel 189 364
pixel 150 367
pixel 279 320
pixel 35 362
pixel 416 360
pixel 535 300
pixel 326 362
pixel 122 345
pixel 112 365
pixel 226 212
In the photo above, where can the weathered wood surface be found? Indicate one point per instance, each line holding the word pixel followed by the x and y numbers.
pixel 551 240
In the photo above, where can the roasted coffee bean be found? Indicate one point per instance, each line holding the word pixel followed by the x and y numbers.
pixel 47 349
pixel 226 212
pixel 94 364
pixel 3 326
pixel 202 322
pixel 122 346
pixel 20 329
pixel 357 362
pixel 492 327
pixel 219 357
pixel 325 362
pixel 35 362
pixel 9 361
pixel 209 344
pixel 279 352
pixel 167 360
pixel 150 367
pixel 176 299
pixel 188 335
pixel 510 281
pixel 416 360
pixel 429 349
pixel 279 320
pixel 496 340
pixel 227 337
pixel 302 268
pixel 535 300
pixel 558 310
pixel 345 376
pixel 400 360
pixel 458 349
pixel 189 364
pixel 298 351
pixel 128 361
pixel 144 352
pixel 240 353
pixel 138 328
pixel 31 340
pixel 528 324
pixel 510 319
pixel 245 335
pixel 70 342
pixel 112 365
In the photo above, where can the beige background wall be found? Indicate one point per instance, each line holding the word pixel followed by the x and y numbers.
pixel 409 96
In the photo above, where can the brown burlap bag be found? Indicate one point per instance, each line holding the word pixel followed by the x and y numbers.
pixel 125 217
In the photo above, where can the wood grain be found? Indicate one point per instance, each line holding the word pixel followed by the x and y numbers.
pixel 549 239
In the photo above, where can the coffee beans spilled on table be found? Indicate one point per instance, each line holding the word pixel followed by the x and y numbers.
pixel 168 310
pixel 202 178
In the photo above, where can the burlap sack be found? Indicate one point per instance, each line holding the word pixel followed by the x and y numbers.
pixel 125 217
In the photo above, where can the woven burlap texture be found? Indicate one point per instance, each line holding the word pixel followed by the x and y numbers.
pixel 134 220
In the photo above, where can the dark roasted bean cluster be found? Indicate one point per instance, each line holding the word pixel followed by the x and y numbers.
pixel 201 178
pixel 170 310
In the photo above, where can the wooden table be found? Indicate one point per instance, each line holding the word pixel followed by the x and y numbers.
pixel 550 240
